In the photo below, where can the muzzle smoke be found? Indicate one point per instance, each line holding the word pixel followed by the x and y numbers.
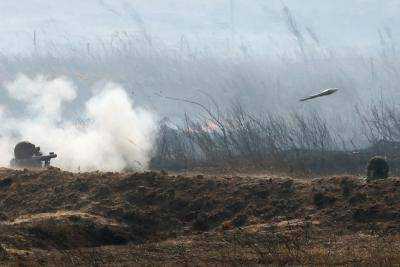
pixel 111 134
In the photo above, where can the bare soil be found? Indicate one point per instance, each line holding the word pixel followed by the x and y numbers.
pixel 56 217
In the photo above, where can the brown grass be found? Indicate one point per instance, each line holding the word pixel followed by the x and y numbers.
pixel 55 217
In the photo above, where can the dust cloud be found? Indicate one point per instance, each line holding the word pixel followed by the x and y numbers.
pixel 109 134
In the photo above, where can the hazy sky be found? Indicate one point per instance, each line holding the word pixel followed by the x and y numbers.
pixel 337 22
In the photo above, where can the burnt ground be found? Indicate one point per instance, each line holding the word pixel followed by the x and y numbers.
pixel 52 217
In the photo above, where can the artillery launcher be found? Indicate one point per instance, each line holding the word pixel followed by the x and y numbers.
pixel 27 155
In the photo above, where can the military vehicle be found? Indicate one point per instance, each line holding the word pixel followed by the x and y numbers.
pixel 27 155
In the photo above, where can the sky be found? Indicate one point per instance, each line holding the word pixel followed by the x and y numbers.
pixel 338 23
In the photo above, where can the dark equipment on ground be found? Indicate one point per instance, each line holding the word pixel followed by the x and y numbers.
pixel 27 155
pixel 377 168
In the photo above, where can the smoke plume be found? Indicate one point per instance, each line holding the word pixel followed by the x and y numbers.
pixel 109 134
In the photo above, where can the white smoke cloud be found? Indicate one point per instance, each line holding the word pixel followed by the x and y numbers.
pixel 116 134
pixel 43 97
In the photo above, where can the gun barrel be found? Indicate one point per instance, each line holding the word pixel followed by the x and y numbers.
pixel 45 158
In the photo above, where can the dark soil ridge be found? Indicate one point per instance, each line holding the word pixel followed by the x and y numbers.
pixel 57 209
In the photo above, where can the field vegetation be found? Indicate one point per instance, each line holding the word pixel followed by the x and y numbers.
pixel 236 106
pixel 243 173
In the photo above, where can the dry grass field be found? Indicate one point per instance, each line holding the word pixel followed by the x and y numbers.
pixel 53 217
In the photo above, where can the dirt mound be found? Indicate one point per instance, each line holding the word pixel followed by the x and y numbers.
pixel 62 230
pixel 52 210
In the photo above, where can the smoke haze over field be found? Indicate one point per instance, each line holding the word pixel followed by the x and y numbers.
pixel 75 23
pixel 112 133
pixel 178 59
